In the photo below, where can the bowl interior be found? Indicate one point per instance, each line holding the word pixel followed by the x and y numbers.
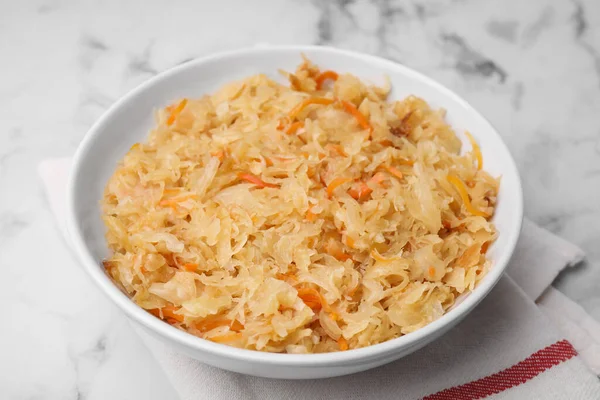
pixel 130 120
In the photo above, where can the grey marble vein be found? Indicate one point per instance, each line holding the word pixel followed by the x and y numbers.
pixel 470 62
pixel 505 30
pixel 140 63
pixel 581 27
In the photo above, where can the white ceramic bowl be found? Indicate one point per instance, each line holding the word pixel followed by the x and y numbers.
pixel 129 121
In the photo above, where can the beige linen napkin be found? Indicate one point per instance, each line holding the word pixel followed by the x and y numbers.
pixel 507 348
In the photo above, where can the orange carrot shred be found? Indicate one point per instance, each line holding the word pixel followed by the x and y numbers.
pixel 295 82
pixel 176 111
pixel 190 267
pixel 322 77
pixel 360 191
pixel 211 323
pixel 339 149
pixel 219 154
pixel 395 172
pixel 313 100
pixel 256 180
pixel 431 271
pixel 342 343
pixel 484 247
pixel 281 125
pixel 335 183
pixel 462 190
pixel 476 150
pixel 311 297
pixel 155 312
pixel 167 312
pixel 286 276
pixel 403 161
pixel 310 216
pixel 377 178
pixel 360 118
pixel 294 127
pixel 226 338
pixel 335 249
pixel 349 242
pixel 174 201
pixel 171 191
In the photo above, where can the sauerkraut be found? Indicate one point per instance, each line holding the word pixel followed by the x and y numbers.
pixel 307 217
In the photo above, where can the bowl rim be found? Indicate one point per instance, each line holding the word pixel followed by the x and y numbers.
pixel 182 338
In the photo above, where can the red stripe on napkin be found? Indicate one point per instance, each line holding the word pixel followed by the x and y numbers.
pixel 519 373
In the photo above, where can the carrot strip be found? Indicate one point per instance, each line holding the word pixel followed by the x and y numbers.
pixel 476 150
pixel 167 312
pixel 190 267
pixel 174 201
pixel 256 180
pixel 219 154
pixel 176 111
pixel 342 343
pixel 211 323
pixel 462 190
pixel 484 247
pixel 335 183
pixel 226 338
pixel 349 242
pixel 360 118
pixel 313 100
pixel 295 83
pixel 360 191
pixel 334 248
pixel 395 172
pixel 377 178
pixel 281 124
pixel 322 77
pixel 311 297
pixel 286 276
pixel 403 161
pixel 310 216
pixel 294 127
pixel 338 148
pixel 431 271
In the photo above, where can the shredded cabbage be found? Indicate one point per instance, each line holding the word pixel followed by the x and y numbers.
pixel 312 218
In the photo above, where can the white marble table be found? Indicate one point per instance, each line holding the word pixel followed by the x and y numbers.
pixel 532 67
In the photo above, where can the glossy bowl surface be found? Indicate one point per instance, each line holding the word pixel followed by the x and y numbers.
pixel 129 120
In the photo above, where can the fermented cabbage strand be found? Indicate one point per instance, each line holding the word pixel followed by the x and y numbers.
pixel 312 218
